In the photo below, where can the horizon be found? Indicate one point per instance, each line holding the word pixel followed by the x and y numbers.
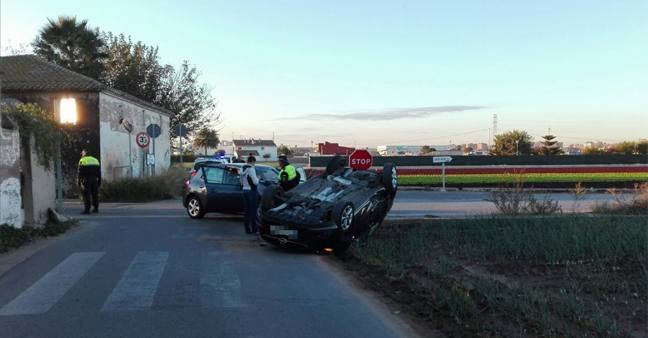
pixel 396 74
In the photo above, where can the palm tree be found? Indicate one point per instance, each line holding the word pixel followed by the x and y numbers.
pixel 71 44
pixel 206 138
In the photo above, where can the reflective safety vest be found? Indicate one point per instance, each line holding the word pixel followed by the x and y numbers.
pixel 288 173
pixel 88 160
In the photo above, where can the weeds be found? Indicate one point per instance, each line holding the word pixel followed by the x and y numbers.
pixel 12 238
pixel 570 275
pixel 163 186
pixel 636 204
pixel 514 199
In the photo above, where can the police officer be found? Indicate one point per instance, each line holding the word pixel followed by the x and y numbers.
pixel 250 181
pixel 89 180
pixel 288 175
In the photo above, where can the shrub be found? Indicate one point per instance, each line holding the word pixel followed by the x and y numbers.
pixel 514 199
pixel 636 204
pixel 12 238
pixel 164 186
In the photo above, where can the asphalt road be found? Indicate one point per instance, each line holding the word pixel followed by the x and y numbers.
pixel 149 271
pixel 417 203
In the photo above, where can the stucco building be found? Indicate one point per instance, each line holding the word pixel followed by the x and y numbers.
pixel 104 117
pixel 264 150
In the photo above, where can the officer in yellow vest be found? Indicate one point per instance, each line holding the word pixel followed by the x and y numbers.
pixel 288 175
pixel 89 181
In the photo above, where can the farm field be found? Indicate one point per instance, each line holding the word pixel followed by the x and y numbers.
pixel 552 276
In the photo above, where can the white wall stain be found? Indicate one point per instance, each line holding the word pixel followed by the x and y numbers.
pixel 9 149
pixel 10 202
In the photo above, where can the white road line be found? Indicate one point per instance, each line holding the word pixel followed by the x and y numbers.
pixel 219 283
pixel 137 287
pixel 48 290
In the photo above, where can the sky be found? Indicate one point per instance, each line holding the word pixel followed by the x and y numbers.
pixel 367 73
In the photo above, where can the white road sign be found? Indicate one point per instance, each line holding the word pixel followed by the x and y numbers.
pixel 441 159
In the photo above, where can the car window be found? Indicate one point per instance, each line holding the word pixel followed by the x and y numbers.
pixel 214 175
pixel 231 177
pixel 266 173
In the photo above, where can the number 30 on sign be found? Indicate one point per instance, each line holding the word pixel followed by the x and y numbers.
pixel 142 140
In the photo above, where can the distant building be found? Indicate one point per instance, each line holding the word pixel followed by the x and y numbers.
pixel 265 150
pixel 328 148
pixel 410 150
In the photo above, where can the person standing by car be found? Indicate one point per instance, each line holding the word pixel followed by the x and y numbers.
pixel 89 180
pixel 250 181
pixel 288 175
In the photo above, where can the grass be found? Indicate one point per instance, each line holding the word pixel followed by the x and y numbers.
pixel 12 238
pixel 530 276
pixel 526 178
pixel 164 186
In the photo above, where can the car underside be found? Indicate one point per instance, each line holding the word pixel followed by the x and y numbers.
pixel 330 210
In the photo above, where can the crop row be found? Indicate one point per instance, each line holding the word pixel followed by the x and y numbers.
pixel 526 178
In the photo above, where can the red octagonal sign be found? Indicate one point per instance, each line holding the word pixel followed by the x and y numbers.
pixel 360 160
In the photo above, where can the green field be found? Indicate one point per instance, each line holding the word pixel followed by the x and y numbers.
pixel 556 276
pixel 526 178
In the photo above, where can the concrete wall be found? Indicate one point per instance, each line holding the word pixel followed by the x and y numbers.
pixel 115 149
pixel 39 190
pixel 10 197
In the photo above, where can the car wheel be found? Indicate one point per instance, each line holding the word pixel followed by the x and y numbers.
pixel 343 214
pixel 195 208
pixel 390 178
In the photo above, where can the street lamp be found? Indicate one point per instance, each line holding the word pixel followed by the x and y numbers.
pixel 517 148
pixel 67 115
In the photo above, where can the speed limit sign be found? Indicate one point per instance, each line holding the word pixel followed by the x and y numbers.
pixel 142 140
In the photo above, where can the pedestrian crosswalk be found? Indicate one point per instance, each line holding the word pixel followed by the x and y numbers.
pixel 136 290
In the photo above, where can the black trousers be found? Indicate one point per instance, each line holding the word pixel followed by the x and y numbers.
pixel 90 187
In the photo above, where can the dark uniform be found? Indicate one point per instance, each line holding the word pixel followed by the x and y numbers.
pixel 89 182
pixel 288 177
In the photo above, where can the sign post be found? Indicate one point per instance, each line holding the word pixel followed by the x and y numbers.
pixel 153 130
pixel 443 160
pixel 181 131
pixel 360 160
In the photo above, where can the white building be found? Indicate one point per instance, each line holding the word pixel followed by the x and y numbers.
pixel 263 150
pixel 106 121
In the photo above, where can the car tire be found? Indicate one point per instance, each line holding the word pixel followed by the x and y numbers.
pixel 269 196
pixel 335 164
pixel 343 215
pixel 389 178
pixel 195 208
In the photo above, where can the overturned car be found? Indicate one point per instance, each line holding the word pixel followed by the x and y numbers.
pixel 330 210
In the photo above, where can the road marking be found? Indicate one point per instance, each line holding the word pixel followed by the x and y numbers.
pixel 48 290
pixel 137 287
pixel 219 283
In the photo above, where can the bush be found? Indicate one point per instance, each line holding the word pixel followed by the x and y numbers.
pixel 164 186
pixel 636 204
pixel 515 200
pixel 12 238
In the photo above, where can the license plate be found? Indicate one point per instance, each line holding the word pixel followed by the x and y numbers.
pixel 281 230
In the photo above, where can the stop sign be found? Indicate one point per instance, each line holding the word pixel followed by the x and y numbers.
pixel 360 160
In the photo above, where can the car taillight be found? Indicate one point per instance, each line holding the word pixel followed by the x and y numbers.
pixel 193 173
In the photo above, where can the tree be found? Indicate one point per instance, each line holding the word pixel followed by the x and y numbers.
pixel 592 151
pixel 642 147
pixel 71 44
pixel 625 148
pixel 284 150
pixel 549 146
pixel 514 142
pixel 205 138
pixel 133 67
pixel 426 149
pixel 189 101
